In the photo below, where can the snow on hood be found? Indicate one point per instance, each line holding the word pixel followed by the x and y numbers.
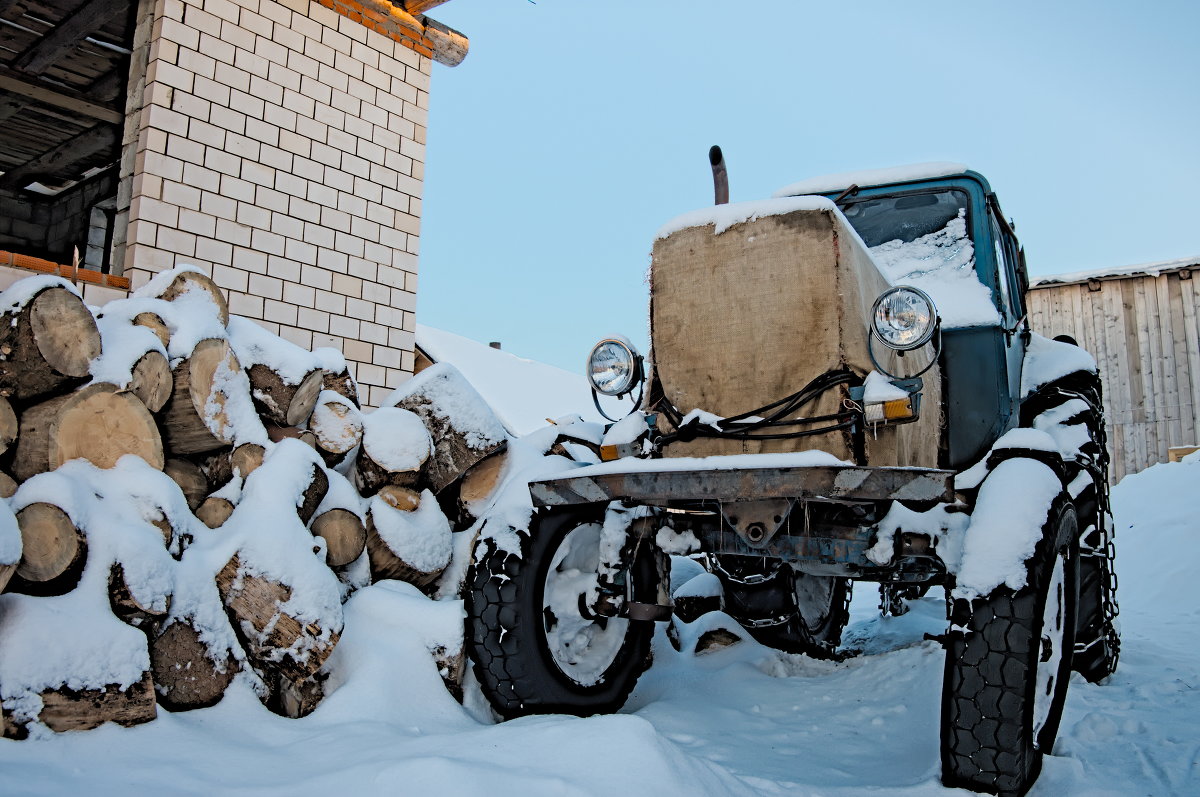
pixel 722 217
pixel 896 174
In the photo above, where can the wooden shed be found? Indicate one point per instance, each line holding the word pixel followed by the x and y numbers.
pixel 1142 323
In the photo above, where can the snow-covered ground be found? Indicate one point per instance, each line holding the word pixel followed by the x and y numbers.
pixel 737 720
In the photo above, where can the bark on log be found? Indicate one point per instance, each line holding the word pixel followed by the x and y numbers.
pixel 52 548
pixel 344 533
pixel 186 427
pixel 190 479
pixel 66 709
pixel 282 403
pixel 8 485
pixel 277 433
pixel 343 384
pixel 6 573
pixel 186 672
pixel 222 466
pixel 46 344
pixel 125 606
pixel 8 425
pixel 387 562
pixel 189 281
pixel 297 699
pixel 98 423
pixel 313 494
pixel 151 380
pixel 395 447
pixel 256 601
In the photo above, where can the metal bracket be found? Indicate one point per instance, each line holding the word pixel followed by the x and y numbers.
pixel 757 522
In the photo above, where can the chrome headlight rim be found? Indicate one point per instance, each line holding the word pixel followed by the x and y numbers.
pixel 630 359
pixel 927 333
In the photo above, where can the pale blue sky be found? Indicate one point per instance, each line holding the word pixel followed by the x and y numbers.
pixel 575 129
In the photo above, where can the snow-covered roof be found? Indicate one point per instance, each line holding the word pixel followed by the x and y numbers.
pixel 1116 272
pixel 870 177
pixel 523 393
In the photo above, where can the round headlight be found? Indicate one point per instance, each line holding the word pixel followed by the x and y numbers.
pixel 904 318
pixel 612 367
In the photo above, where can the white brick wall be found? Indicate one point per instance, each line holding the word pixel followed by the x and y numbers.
pixel 281 148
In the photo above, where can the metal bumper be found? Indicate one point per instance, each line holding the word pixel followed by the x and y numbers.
pixel 653 485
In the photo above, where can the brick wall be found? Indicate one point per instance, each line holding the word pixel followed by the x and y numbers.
pixel 280 146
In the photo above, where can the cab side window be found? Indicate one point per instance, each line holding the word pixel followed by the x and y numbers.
pixel 1007 266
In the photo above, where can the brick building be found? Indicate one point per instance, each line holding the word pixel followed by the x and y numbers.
pixel 277 144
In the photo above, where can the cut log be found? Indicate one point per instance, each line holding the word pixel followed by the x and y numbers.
pixel 151 380
pixel 344 533
pixel 277 433
pixel 343 384
pixel 154 323
pixel 8 485
pixel 255 602
pixel 190 479
pixel 127 607
pixel 337 425
pixel 190 283
pixel 313 494
pixel 282 403
pixel 402 498
pixel 463 427
pixel 214 511
pixel 97 423
pixel 478 484
pixel 194 419
pixel 241 461
pixel 66 709
pixel 410 546
pixel 395 446
pixel 46 343
pixel 8 425
pixel 53 549
pixel 187 674
pixel 297 699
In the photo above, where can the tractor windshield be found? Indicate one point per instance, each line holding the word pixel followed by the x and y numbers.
pixel 923 240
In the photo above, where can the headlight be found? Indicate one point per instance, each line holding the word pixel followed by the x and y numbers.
pixel 614 366
pixel 904 318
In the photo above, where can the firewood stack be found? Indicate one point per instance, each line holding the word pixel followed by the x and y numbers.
pixel 202 496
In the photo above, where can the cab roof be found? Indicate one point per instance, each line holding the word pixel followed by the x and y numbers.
pixel 874 177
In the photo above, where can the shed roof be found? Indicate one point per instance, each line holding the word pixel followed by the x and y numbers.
pixel 1117 272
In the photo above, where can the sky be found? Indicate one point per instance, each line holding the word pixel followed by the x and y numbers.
pixel 574 130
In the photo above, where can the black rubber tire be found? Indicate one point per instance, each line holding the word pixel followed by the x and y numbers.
pixel 988 739
pixel 506 633
pixel 819 606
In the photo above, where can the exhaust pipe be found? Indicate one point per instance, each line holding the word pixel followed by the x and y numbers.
pixel 720 177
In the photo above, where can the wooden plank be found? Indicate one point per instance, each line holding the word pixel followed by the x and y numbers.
pixel 1184 375
pixel 1191 334
pixel 59 97
pixel 1144 320
pixel 415 7
pixel 85 145
pixel 67 34
pixel 1132 354
pixel 1166 320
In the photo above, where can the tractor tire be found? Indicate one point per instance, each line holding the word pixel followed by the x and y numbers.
pixel 1098 659
pixel 790 611
pixel 1007 673
pixel 532 649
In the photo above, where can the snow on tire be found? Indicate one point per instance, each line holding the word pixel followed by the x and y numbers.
pixel 534 651
pixel 1008 666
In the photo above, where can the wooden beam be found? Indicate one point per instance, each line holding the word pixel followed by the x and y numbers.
pixel 84 145
pixel 59 96
pixel 415 7
pixel 66 35
pixel 10 106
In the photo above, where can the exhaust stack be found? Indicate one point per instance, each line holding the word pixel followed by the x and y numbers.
pixel 720 176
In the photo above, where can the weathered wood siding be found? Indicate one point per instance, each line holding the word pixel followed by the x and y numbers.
pixel 1143 331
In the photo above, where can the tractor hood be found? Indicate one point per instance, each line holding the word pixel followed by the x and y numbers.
pixel 750 303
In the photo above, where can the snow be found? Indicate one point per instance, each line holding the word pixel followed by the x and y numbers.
pixel 896 174
pixel 10 536
pixel 421 538
pixel 800 459
pixel 254 345
pixel 722 217
pixel 23 291
pixel 741 720
pixel 1047 360
pixel 445 394
pixel 507 381
pixel 942 264
pixel 396 439
pixel 1147 269
pixel 877 388
pixel 122 342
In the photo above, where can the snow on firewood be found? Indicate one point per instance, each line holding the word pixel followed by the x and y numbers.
pixel 94 652
pixel 337 424
pixel 10 543
pixel 187 286
pixel 337 374
pixel 464 428
pixel 341 521
pixel 284 377
pixel 1047 360
pixel 48 338
pixel 125 344
pixel 420 539
pixel 395 446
